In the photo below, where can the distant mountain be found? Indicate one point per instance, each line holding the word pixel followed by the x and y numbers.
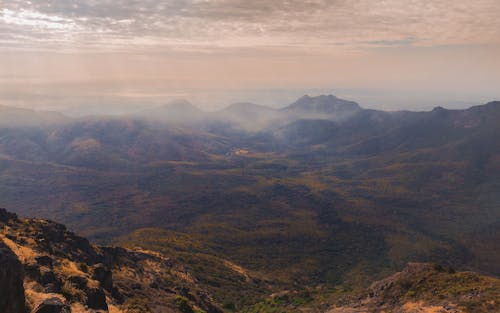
pixel 323 107
pixel 17 117
pixel 320 193
pixel 107 143
pixel 252 116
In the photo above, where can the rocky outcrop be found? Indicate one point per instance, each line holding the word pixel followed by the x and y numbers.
pixel 6 216
pixel 11 281
pixel 96 299
pixel 103 275
pixel 427 287
pixel 64 271
pixel 52 305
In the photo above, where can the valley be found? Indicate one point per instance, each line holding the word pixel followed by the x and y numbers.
pixel 320 195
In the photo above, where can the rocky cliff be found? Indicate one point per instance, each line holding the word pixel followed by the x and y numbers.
pixel 11 281
pixel 66 273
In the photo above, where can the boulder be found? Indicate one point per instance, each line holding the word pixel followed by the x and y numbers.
pixel 96 299
pixel 32 270
pixel 44 260
pixel 52 305
pixel 47 276
pixel 103 275
pixel 6 216
pixel 11 281
pixel 79 282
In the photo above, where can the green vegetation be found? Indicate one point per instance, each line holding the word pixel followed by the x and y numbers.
pixel 225 283
pixel 183 305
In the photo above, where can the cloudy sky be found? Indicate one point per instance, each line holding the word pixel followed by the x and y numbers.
pixel 386 53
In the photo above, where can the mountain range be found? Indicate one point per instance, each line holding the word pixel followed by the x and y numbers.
pixel 320 195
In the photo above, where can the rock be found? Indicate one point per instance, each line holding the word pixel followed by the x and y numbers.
pixel 6 216
pixel 103 276
pixel 410 273
pixel 52 288
pixel 52 305
pixel 116 294
pixel 114 255
pixel 47 276
pixel 11 281
pixel 11 237
pixel 96 299
pixel 32 270
pixel 44 260
pixel 79 282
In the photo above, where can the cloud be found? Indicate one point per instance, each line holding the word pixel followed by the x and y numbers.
pixel 208 24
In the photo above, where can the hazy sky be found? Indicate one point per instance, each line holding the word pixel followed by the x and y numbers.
pixel 388 53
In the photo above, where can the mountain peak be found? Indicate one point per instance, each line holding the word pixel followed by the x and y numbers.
pixel 323 104
pixel 493 105
pixel 439 109
pixel 307 98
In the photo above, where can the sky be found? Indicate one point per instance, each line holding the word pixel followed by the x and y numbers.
pixel 115 55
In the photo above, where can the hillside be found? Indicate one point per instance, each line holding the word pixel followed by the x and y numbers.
pixel 18 117
pixel 313 198
pixel 65 273
pixel 422 288
pixel 46 268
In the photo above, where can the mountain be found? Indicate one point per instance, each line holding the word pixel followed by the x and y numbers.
pixel 323 107
pixel 106 143
pixel 46 268
pixel 17 117
pixel 306 199
pixel 250 116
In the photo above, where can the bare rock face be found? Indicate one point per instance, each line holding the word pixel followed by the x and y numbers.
pixel 104 276
pixel 11 282
pixel 6 216
pixel 68 270
pixel 96 299
pixel 52 305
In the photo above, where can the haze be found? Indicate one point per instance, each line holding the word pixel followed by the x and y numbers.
pixel 122 55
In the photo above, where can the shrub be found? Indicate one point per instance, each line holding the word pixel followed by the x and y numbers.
pixel 183 305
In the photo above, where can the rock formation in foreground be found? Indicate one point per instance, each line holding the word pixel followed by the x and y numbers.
pixel 44 268
pixel 11 281
pixel 428 288
pixel 63 273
